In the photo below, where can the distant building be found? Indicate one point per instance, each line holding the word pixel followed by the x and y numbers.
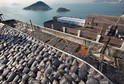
pixel 69 20
pixel 58 22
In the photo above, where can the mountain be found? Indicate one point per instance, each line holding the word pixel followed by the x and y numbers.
pixel 62 10
pixel 109 1
pixel 38 6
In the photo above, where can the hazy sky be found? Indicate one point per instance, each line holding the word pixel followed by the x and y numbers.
pixel 7 2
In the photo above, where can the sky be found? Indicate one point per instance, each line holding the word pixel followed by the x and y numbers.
pixel 27 2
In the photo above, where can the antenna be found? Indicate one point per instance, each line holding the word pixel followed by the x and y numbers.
pixel 119 19
pixel 31 26
pixel 1 19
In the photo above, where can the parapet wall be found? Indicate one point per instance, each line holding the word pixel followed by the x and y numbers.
pixel 96 46
pixel 90 35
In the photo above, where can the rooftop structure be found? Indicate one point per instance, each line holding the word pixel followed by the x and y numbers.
pixel 25 59
pixel 102 22
pixel 69 20
pixel 64 41
pixel 58 22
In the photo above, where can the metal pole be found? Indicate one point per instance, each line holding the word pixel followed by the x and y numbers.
pixel 52 26
pixel 64 30
pixel 92 22
pixel 85 42
pixel 79 32
pixel 1 19
pixel 31 25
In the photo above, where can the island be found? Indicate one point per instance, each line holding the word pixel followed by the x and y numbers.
pixel 38 6
pixel 62 10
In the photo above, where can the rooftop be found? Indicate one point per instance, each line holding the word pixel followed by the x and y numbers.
pixel 46 36
pixel 25 59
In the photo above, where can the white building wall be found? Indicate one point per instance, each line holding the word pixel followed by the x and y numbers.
pixel 68 20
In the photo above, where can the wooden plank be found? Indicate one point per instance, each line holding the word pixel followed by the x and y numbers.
pixel 70 30
pixel 54 41
pixel 89 35
pixel 116 41
pixel 112 41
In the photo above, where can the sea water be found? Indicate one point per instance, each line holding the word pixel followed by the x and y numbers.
pixel 77 10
